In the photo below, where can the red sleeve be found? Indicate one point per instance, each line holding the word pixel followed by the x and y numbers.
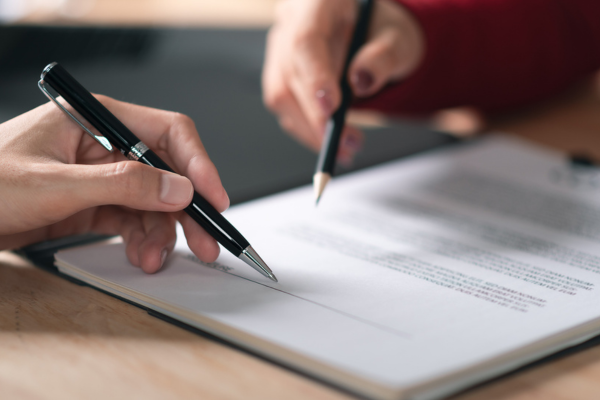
pixel 495 54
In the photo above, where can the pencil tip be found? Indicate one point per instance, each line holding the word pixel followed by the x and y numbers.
pixel 320 180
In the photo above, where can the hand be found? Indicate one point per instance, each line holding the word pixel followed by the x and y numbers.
pixel 306 50
pixel 55 180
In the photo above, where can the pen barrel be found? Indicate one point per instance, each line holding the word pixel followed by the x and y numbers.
pixel 198 210
pixel 89 107
pixel 201 211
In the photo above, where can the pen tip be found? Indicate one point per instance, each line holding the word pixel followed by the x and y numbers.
pixel 320 180
pixel 251 257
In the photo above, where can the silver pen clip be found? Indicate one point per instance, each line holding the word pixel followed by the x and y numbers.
pixel 100 139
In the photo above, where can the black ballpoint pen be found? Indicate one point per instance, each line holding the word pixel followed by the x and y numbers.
pixel 116 134
pixel 335 124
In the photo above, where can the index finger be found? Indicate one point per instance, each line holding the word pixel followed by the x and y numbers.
pixel 173 134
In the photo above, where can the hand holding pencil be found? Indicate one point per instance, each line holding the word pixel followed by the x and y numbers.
pixel 307 49
pixel 335 124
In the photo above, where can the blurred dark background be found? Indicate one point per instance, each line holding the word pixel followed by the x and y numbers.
pixel 210 74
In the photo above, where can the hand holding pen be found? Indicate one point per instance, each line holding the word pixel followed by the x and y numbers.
pixel 114 135
pixel 55 181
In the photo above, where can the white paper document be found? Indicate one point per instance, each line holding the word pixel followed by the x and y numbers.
pixel 413 279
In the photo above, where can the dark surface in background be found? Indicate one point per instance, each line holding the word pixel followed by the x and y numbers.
pixel 211 75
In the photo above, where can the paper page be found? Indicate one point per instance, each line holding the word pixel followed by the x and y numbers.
pixel 405 272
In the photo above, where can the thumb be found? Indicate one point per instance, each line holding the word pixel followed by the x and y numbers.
pixel 131 184
pixel 383 59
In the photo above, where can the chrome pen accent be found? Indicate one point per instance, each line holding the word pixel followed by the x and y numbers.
pixel 250 257
pixel 100 139
pixel 136 152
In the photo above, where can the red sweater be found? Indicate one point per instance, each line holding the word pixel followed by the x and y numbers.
pixel 496 54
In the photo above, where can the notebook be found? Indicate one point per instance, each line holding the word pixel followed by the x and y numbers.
pixel 411 280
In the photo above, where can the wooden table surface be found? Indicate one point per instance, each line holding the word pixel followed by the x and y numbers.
pixel 59 340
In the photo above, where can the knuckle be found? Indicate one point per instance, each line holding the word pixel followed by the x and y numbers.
pixel 183 129
pixel 318 81
pixel 275 98
pixel 287 124
pixel 389 51
pixel 183 121
pixel 133 178
pixel 305 39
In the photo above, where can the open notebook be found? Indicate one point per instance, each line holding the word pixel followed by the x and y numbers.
pixel 414 279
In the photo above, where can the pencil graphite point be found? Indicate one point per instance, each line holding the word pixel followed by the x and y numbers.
pixel 320 180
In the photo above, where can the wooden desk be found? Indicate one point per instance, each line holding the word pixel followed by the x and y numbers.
pixel 61 340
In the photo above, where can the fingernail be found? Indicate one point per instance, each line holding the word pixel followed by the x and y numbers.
pixel 324 100
pixel 175 189
pixel 362 81
pixel 352 143
pixel 163 257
